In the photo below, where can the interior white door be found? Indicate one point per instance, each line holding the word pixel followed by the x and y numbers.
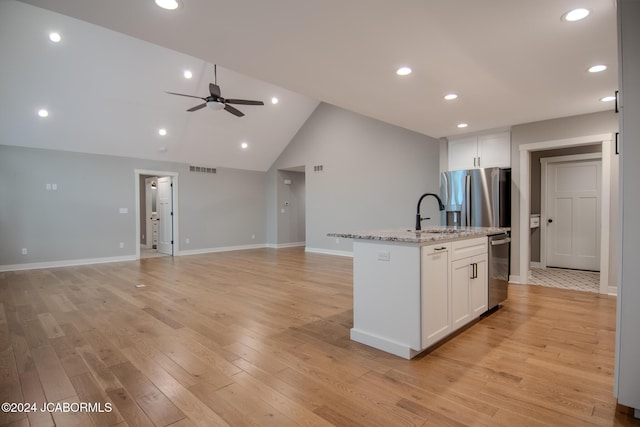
pixel 165 215
pixel 573 215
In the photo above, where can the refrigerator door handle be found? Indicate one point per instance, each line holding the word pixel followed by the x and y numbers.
pixel 467 201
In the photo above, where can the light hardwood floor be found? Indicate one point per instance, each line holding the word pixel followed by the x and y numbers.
pixel 261 337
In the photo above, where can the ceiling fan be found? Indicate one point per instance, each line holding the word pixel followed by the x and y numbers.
pixel 216 101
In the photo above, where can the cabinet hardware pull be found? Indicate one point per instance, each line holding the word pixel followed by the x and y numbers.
pixel 478 161
pixel 439 249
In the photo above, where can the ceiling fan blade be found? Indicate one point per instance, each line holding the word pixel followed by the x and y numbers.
pixel 214 90
pixel 182 94
pixel 197 107
pixel 244 102
pixel 233 111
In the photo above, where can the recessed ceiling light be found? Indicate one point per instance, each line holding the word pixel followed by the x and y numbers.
pixel 462 125
pixel 403 71
pixel 187 74
pixel 608 98
pixel 162 132
pixel 575 15
pixel 274 100
pixel 597 68
pixel 450 96
pixel 168 4
pixel 43 113
pixel 244 145
pixel 55 37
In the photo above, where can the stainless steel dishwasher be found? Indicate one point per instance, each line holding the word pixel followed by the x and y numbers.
pixel 499 267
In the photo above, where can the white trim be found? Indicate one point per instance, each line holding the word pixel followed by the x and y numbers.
pixel 605 218
pixel 221 249
pixel 65 263
pixel 328 252
pixel 525 207
pixel 285 245
pixel 564 143
pixel 176 204
pixel 544 162
pixel 382 343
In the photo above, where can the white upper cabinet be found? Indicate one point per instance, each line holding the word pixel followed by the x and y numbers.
pixel 482 151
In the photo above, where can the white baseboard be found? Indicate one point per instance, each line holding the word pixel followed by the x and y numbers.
pixel 284 245
pixel 329 252
pixel 518 279
pixel 65 263
pixel 221 249
pixel 612 290
pixel 534 264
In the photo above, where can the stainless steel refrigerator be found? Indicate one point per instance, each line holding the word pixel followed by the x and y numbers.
pixel 477 197
pixel 482 198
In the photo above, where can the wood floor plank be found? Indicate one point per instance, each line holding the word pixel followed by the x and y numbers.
pixel 53 377
pixel 152 401
pixel 261 337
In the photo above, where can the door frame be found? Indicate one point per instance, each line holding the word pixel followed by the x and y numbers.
pixel 174 218
pixel 545 162
pixel 525 202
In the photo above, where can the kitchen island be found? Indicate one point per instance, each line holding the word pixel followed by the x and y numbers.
pixel 413 288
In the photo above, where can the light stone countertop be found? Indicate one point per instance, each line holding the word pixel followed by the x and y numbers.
pixel 426 235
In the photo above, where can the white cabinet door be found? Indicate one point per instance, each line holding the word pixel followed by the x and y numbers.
pixel 435 293
pixel 478 291
pixel 483 151
pixel 461 272
pixel 463 153
pixel 494 150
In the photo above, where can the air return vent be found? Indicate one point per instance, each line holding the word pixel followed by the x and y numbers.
pixel 201 169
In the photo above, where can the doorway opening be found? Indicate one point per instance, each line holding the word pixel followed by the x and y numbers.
pixel 157 213
pixel 524 222
pixel 291 192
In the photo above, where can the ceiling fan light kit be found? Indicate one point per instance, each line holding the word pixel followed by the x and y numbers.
pixel 215 101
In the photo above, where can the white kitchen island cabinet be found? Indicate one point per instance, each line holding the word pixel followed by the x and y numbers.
pixel 412 289
pixel 469 279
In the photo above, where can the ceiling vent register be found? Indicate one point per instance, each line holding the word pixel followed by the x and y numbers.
pixel 202 169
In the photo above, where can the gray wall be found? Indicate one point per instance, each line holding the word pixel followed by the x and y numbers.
pixel 81 220
pixel 373 174
pixel 536 178
pixel 549 130
pixel 628 342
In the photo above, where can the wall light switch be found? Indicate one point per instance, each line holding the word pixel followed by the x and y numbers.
pixel 48 186
pixel 384 255
pixel 187 240
pixel 121 245
pixel 24 251
pixel 54 186
pixel 124 210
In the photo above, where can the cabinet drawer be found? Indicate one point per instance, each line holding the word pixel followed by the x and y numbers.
pixel 469 247
pixel 437 248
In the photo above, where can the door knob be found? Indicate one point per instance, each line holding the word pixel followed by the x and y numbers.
pixel 549 220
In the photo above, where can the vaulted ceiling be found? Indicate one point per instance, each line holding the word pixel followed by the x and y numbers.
pixel 509 61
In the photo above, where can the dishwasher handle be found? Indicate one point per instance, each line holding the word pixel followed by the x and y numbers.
pixel 500 242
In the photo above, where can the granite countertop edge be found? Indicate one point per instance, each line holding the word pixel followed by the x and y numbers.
pixel 428 234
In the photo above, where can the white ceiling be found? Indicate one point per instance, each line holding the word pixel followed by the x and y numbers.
pixel 511 61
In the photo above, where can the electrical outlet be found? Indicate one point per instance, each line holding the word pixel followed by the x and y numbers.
pixel 124 210
pixel 121 245
pixel 24 251
pixel 384 255
pixel 253 236
pixel 187 240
